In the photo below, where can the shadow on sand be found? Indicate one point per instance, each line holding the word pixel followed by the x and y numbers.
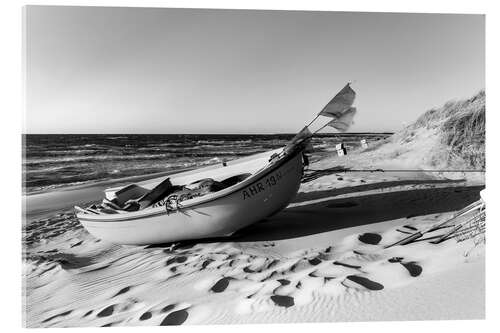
pixel 338 214
pixel 335 214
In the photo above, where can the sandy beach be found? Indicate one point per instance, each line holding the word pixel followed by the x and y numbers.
pixel 321 259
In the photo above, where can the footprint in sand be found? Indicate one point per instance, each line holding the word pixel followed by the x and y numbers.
pixel 284 301
pixel 62 314
pixel 221 285
pixel 346 265
pixel 284 282
pixel 365 282
pixel 123 291
pixel 179 260
pixel 175 318
pixel 167 308
pixel 111 324
pixel 77 244
pixel 414 269
pixel 206 263
pixel 145 316
pixel 248 270
pixel 370 238
pixel 88 313
pixel 315 261
pixel 396 259
pixel 108 311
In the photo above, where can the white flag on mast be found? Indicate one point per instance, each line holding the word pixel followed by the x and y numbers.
pixel 343 122
pixel 340 103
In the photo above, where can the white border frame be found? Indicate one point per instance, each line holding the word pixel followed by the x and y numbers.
pixel 13 110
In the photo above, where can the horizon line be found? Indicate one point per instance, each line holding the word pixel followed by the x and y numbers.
pixel 283 133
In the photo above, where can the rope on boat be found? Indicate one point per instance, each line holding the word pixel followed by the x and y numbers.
pixel 312 121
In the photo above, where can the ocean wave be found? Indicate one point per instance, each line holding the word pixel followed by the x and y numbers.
pixel 96 158
pixel 38 153
pixel 172 144
pixel 47 170
pixel 40 162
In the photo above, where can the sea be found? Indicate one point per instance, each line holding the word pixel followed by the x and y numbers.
pixel 53 161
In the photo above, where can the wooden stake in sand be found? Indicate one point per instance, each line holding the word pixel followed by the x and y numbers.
pixel 473 206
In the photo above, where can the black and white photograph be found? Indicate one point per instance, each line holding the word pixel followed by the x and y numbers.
pixel 186 166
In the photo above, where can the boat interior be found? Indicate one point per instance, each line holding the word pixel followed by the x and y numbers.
pixel 170 191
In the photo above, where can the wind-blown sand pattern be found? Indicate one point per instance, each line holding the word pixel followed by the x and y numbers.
pixel 311 262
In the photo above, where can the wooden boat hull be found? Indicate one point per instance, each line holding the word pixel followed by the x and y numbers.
pixel 262 196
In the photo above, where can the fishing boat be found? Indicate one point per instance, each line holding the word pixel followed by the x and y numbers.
pixel 213 201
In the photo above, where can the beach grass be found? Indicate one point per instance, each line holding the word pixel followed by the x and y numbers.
pixel 462 127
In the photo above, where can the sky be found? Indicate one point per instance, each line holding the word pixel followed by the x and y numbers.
pixel 172 71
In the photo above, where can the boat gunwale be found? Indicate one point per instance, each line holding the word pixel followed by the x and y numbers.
pixel 188 172
pixel 247 182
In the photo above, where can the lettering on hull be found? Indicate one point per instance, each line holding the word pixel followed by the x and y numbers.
pixel 263 185
pixel 270 181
